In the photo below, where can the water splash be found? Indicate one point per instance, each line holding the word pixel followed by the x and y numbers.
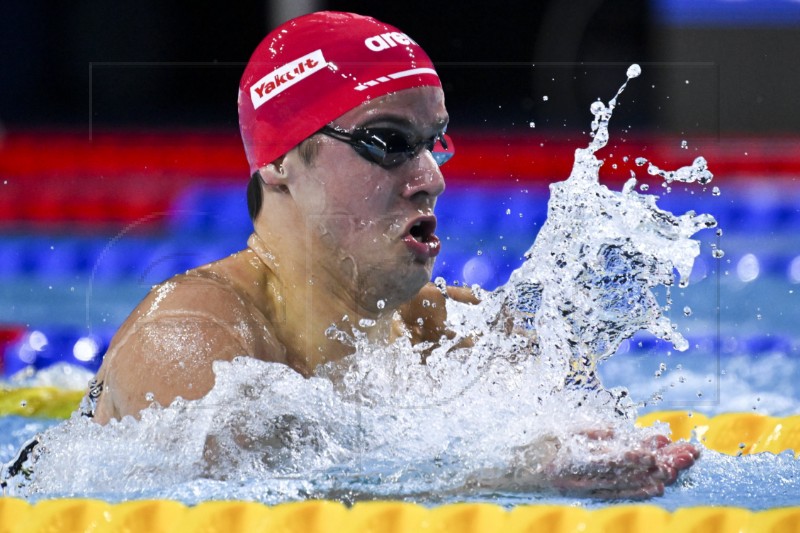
pixel 599 254
pixel 510 395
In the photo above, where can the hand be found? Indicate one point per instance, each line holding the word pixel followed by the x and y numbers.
pixel 641 472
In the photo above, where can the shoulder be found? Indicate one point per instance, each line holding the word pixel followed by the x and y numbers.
pixel 196 290
pixel 425 314
pixel 167 346
pixel 204 303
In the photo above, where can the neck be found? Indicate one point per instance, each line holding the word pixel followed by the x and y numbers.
pixel 309 300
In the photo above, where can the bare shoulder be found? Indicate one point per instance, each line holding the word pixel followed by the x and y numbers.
pixel 167 346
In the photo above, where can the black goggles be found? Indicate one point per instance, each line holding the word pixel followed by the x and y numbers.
pixel 390 147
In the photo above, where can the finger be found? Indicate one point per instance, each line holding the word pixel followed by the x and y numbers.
pixel 598 434
pixel 641 458
pixel 669 474
pixel 679 456
pixel 656 441
pixel 685 447
pixel 682 461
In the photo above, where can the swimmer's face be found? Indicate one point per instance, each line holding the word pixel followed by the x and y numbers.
pixel 373 227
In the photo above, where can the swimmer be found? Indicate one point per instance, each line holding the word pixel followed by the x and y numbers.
pixel 343 122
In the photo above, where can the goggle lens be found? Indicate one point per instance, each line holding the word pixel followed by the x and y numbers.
pixel 390 147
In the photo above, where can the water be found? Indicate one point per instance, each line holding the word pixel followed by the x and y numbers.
pixel 477 422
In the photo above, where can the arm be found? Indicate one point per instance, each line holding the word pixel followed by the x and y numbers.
pixel 167 346
pixel 581 465
pixel 586 467
pixel 637 471
pixel 162 359
pixel 425 315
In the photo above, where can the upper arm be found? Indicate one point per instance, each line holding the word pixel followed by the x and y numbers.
pixel 166 358
pixel 168 345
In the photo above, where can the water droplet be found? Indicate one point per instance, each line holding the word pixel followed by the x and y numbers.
pixel 687 311
pixel 532 124
pixel 715 191
pixel 758 316
pixel 480 252
pixel 545 98
pixel 634 71
pixel 149 396
pixel 381 304
pixel 684 145
pixel 719 232
pixel 644 187
pixel 640 161
pixel 717 254
pixel 508 211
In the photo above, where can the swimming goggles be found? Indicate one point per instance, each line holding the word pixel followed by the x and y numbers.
pixel 390 147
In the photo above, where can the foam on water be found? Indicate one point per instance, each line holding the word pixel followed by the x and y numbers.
pixel 501 406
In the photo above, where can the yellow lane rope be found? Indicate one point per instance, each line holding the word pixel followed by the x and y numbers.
pixel 153 516
pixel 41 402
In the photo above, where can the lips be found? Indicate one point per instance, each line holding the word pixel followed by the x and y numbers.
pixel 420 239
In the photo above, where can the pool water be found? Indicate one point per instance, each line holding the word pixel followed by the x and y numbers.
pixel 372 443
pixel 742 358
pixel 756 482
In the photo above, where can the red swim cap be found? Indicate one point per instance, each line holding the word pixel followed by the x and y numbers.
pixel 313 69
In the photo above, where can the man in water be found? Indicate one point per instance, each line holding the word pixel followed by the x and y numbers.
pixel 343 122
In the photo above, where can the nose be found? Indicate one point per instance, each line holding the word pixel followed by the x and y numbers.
pixel 425 179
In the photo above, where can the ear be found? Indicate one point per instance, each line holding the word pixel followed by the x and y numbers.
pixel 273 173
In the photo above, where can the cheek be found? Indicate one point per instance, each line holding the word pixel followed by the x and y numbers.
pixel 350 207
pixel 362 207
pixel 359 219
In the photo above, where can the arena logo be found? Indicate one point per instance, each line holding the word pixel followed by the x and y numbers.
pixel 390 39
pixel 284 77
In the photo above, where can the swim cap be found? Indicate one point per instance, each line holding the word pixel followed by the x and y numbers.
pixel 313 69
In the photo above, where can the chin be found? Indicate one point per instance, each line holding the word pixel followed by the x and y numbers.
pixel 395 286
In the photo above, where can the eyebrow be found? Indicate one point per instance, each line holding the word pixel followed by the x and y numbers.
pixel 439 124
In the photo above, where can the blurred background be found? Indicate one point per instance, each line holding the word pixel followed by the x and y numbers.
pixel 120 161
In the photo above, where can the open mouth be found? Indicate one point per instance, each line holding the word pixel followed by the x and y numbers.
pixel 422 230
pixel 421 239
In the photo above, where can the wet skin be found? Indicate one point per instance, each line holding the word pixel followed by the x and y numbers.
pixel 333 238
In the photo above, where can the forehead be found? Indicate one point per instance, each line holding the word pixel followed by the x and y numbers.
pixel 422 107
